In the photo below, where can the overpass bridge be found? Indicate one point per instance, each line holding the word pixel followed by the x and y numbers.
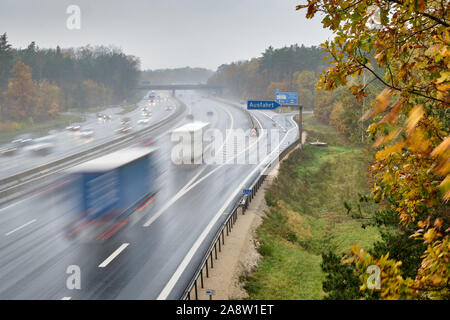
pixel 174 87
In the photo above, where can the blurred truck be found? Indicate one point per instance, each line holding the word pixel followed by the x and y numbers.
pixel 108 189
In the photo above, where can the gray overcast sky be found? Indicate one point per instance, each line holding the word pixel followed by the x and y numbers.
pixel 165 33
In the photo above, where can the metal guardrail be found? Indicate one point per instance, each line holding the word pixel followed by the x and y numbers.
pixel 218 241
pixel 14 183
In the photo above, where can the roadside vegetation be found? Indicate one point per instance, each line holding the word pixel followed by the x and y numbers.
pixel 383 88
pixel 307 216
pixel 8 133
pixel 37 85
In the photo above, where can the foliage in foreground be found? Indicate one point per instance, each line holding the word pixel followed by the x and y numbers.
pixel 410 42
pixel 306 218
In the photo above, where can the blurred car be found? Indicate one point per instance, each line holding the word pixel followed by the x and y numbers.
pixel 74 127
pixel 23 140
pixel 190 116
pixel 99 115
pixel 86 133
pixel 43 145
pixel 42 148
pixel 143 121
pixel 8 149
pixel 124 129
pixel 209 113
pixel 125 120
pixel 106 117
pixel 168 108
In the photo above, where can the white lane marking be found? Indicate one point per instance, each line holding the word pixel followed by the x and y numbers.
pixel 66 298
pixel 113 255
pixel 22 226
pixel 14 204
pixel 187 259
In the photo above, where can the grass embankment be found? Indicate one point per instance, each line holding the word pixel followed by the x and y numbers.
pixel 39 128
pixel 307 216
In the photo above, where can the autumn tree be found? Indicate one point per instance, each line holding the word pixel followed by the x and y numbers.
pixel 305 82
pixel 409 41
pixel 48 97
pixel 20 98
pixel 282 86
pixel 324 103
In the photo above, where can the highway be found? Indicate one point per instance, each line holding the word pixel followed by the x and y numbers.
pixel 151 255
pixel 70 142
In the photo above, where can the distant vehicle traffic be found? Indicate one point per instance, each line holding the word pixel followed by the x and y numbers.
pixel 143 121
pixel 210 113
pixel 23 140
pixel 151 96
pixel 74 127
pixel 86 133
pixel 124 129
pixel 42 146
pixel 147 114
pixel 125 120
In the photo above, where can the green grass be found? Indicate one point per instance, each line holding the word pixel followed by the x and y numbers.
pixel 40 128
pixel 307 216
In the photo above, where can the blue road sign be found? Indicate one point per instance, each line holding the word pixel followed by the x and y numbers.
pixel 247 191
pixel 269 105
pixel 210 292
pixel 286 97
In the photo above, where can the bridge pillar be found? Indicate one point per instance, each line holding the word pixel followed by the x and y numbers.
pixel 173 92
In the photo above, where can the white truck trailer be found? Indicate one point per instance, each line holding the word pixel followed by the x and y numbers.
pixel 190 142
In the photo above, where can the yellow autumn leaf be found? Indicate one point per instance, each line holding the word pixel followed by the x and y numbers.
pixel 392 116
pixel 382 102
pixel 443 146
pixel 414 117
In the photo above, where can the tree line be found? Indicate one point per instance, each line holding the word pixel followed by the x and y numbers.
pixel 37 84
pixel 292 68
pixel 296 68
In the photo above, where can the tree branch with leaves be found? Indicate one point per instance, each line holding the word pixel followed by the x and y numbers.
pixel 409 41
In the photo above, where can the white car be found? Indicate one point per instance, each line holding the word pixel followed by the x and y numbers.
pixel 86 133
pixel 143 121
